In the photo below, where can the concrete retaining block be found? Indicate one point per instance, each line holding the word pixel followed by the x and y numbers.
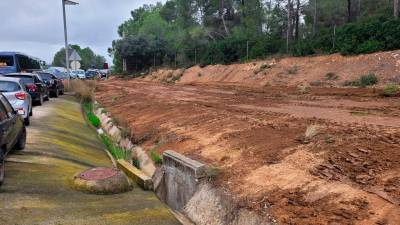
pixel 176 181
pixel 135 174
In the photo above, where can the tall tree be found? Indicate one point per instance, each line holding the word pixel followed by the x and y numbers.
pixel 396 9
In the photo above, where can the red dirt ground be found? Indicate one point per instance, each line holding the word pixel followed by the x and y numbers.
pixel 349 173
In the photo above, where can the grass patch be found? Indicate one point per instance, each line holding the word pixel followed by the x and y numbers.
pixel 94 120
pixel 157 158
pixel 360 113
pixel 116 151
pixel 390 90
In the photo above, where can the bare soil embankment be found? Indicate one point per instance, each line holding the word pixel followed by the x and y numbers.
pixel 331 70
pixel 346 170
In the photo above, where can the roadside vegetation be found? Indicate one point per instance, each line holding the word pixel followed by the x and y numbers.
pixel 363 81
pixel 83 89
pixel 391 90
pixel 116 151
pixel 184 33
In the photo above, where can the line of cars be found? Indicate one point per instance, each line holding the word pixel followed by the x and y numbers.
pixel 18 93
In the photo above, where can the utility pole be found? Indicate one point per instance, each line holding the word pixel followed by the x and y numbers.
pixel 66 2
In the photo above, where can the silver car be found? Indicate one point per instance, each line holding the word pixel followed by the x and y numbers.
pixel 14 90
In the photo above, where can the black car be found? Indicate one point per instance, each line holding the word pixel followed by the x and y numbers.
pixel 35 86
pixel 55 85
pixel 12 132
pixel 92 74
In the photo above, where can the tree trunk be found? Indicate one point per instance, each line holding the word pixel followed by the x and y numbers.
pixel 314 28
pixel 349 14
pixel 297 20
pixel 396 9
pixel 289 27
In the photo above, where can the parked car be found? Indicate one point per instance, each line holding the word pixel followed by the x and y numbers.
pixel 13 132
pixel 104 74
pixel 92 74
pixel 55 85
pixel 80 74
pixel 59 72
pixel 34 85
pixel 14 90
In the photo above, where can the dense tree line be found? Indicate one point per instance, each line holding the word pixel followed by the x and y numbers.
pixel 89 59
pixel 186 32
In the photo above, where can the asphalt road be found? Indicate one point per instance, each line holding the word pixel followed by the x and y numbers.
pixel 37 190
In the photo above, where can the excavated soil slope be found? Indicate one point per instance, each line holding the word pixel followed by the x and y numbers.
pixel 331 70
pixel 346 170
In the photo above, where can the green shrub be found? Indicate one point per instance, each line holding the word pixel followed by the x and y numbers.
pixel 157 159
pixel 391 90
pixel 94 120
pixel 364 81
pixel 331 76
pixel 368 80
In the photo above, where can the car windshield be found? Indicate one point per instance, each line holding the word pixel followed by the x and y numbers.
pixel 46 76
pixel 24 79
pixel 6 60
pixel 9 86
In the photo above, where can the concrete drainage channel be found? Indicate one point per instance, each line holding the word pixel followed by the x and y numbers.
pixel 180 182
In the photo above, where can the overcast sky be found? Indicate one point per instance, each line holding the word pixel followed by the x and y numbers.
pixel 35 27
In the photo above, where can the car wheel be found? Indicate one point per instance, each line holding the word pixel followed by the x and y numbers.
pixel 21 141
pixel 56 93
pixel 2 166
pixel 31 113
pixel 27 121
pixel 62 91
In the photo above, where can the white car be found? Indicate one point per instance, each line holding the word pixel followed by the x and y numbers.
pixel 79 74
pixel 14 90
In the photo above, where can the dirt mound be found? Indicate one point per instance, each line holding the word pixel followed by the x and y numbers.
pixel 331 70
pixel 345 172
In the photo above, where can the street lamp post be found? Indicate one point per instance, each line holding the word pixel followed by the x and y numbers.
pixel 66 2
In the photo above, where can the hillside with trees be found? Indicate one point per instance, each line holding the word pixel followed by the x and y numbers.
pixel 181 33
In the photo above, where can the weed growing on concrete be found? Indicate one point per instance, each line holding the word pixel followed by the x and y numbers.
pixel 94 120
pixel 157 159
pixel 116 151
pixel 136 162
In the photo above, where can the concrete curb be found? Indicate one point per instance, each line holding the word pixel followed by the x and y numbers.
pixel 146 164
pixel 135 174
